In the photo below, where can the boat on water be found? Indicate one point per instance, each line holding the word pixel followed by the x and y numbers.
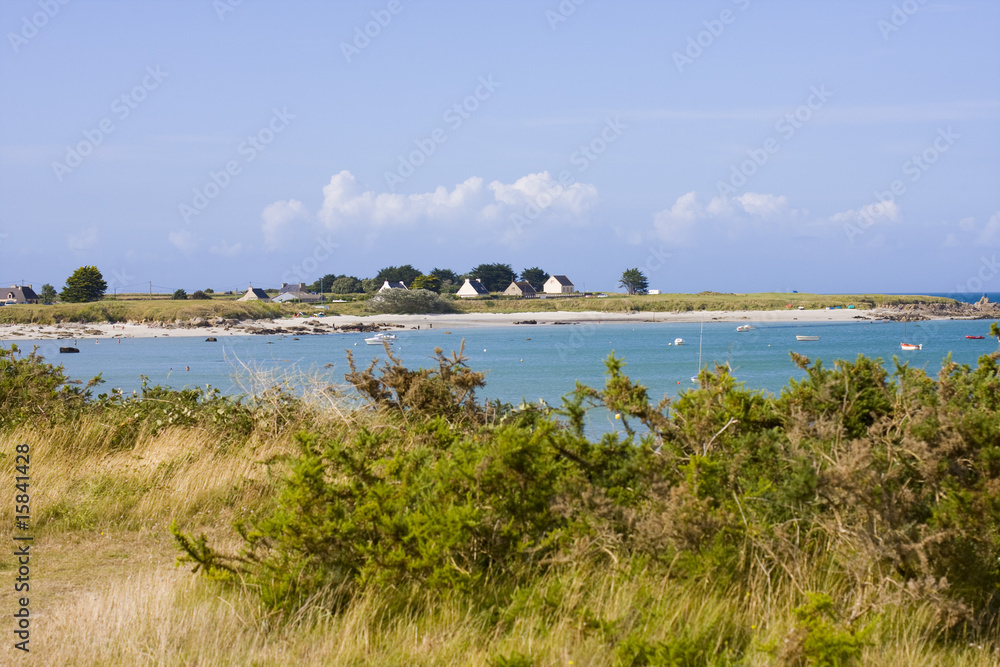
pixel 701 336
pixel 745 327
pixel 678 341
pixel 807 338
pixel 909 347
pixel 379 337
pixel 976 337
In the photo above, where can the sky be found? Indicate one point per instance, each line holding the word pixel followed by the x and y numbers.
pixel 723 145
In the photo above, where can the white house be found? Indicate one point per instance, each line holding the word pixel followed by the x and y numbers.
pixel 558 285
pixel 255 294
pixel 472 289
pixel 391 285
pixel 522 289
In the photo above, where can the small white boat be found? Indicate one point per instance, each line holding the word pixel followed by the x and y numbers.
pixel 909 346
pixel 678 341
pixel 379 337
pixel 807 338
pixel 745 327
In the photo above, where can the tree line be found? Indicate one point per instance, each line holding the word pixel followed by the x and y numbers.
pixel 88 284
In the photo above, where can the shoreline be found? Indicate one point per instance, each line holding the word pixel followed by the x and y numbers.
pixel 330 324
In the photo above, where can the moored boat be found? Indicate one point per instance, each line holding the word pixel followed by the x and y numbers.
pixel 678 341
pixel 745 327
pixel 910 346
pixel 975 337
pixel 807 338
pixel 379 337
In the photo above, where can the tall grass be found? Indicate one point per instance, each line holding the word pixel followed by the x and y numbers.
pixel 105 589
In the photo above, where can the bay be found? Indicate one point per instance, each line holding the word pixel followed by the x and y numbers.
pixel 524 362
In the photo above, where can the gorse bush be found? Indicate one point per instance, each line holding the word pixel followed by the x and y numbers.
pixel 403 302
pixel 890 480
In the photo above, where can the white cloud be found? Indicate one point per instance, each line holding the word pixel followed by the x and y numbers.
pixel 85 240
pixel 495 207
pixel 722 217
pixel 765 206
pixel 184 241
pixel 869 214
pixel 967 224
pixel 226 249
pixel 990 236
pixel 677 224
pixel 278 217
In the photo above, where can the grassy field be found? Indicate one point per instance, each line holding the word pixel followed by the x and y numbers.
pixel 138 308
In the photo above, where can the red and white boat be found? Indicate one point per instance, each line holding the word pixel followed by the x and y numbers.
pixel 908 346
pixel 975 337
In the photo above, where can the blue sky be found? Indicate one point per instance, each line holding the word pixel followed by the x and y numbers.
pixel 728 145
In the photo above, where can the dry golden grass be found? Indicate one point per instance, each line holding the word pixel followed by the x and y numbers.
pixel 105 589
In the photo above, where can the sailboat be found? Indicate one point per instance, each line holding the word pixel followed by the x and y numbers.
pixel 700 336
pixel 909 346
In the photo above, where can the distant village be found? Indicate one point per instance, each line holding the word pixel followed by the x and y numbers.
pixel 473 288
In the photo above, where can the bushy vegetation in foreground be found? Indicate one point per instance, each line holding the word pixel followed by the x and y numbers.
pixel 851 519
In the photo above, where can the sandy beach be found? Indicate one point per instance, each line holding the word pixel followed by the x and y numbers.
pixel 338 323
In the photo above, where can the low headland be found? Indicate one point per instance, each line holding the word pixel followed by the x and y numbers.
pixel 144 317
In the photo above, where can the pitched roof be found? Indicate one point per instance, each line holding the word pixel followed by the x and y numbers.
pixel 20 293
pixel 255 293
pixel 474 285
pixel 563 280
pixel 523 286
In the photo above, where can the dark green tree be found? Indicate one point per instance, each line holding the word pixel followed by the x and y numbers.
pixel 323 284
pixel 48 294
pixel 447 276
pixel 370 285
pixel 179 294
pixel 86 284
pixel 495 277
pixel 345 285
pixel 535 276
pixel 405 274
pixel 430 282
pixel 200 295
pixel 634 281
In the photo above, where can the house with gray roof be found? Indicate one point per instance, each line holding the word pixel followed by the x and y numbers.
pixel 522 289
pixel 559 285
pixel 255 294
pixel 19 294
pixel 472 289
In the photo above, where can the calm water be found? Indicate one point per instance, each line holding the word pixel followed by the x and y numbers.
pixel 547 366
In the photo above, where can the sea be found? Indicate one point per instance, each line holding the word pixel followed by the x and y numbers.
pixel 523 363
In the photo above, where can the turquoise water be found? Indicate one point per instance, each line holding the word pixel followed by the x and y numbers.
pixel 545 367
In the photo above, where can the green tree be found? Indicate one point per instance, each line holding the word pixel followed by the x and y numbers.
pixel 370 285
pixel 345 285
pixel 634 281
pixel 495 277
pixel 994 329
pixel 48 294
pixel 323 284
pixel 535 276
pixel 405 274
pixel 200 295
pixel 447 276
pixel 179 294
pixel 430 282
pixel 86 284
